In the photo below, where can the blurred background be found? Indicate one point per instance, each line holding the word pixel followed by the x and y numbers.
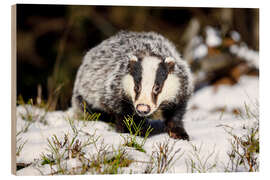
pixel 220 44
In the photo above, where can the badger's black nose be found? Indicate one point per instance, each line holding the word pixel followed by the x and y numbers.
pixel 143 109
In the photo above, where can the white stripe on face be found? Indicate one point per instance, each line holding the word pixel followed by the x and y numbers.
pixel 128 86
pixel 149 69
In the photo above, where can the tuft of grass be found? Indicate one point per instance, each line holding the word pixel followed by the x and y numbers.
pixel 134 131
pixel 109 162
pixel 87 116
pixel 19 145
pixel 93 116
pixel 47 159
pixel 199 163
pixel 244 153
pixel 63 150
pixel 163 157
pixel 72 125
pixel 32 115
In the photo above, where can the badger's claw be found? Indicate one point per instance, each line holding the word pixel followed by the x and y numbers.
pixel 178 133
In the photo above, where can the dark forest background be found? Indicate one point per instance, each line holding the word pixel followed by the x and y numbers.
pixel 52 39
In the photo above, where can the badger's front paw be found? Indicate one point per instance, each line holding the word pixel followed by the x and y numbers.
pixel 178 133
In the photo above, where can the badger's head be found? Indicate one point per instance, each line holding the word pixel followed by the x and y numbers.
pixel 150 82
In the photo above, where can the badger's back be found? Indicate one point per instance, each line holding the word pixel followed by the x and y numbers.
pixel 98 80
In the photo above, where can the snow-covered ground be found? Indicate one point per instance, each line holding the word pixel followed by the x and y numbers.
pixel 204 122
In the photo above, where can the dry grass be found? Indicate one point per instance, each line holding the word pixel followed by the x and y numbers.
pixel 197 162
pixel 163 157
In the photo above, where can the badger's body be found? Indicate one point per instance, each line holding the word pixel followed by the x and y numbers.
pixel 139 73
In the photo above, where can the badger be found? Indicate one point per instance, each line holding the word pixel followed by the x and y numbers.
pixel 135 73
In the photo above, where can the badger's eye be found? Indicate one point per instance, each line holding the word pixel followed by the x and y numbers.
pixel 156 89
pixel 137 88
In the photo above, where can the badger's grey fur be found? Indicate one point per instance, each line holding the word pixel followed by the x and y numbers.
pixel 107 77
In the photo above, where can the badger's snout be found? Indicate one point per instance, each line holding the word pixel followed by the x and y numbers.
pixel 143 109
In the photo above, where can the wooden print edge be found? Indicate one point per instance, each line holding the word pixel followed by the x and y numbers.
pixel 13 86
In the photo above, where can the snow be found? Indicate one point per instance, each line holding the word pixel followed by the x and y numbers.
pixel 235 36
pixel 204 125
pixel 200 52
pixel 242 51
pixel 213 38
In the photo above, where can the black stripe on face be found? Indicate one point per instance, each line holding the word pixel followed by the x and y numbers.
pixel 161 76
pixel 135 70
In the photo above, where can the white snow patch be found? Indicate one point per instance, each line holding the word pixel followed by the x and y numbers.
pixel 242 51
pixel 246 91
pixel 213 38
pixel 235 36
pixel 200 52
pixel 29 171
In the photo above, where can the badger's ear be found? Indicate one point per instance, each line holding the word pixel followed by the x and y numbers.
pixel 170 62
pixel 132 61
pixel 133 58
